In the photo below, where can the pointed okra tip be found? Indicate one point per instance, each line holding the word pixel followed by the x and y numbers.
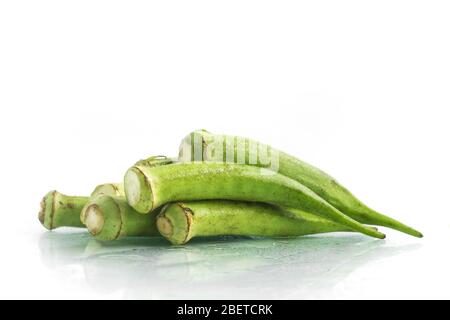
pixel 175 223
pixel 416 234
pixel 409 230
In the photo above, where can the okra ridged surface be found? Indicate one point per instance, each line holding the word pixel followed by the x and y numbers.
pixel 181 221
pixel 225 148
pixel 110 189
pixel 109 218
pixel 117 189
pixel 60 210
pixel 149 188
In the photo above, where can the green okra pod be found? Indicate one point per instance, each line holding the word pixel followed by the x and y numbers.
pixel 117 189
pixel 59 210
pixel 179 222
pixel 112 189
pixel 109 218
pixel 202 145
pixel 148 188
pixel 109 189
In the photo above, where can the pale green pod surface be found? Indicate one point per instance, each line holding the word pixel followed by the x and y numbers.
pixel 179 222
pixel 246 151
pixel 109 189
pixel 149 188
pixel 109 218
pixel 117 189
pixel 155 161
pixel 59 210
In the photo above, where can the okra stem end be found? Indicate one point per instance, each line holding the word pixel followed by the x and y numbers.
pixel 175 223
pixel 94 219
pixel 164 226
pixel 41 215
pixel 103 218
pixel 138 190
pixel 47 210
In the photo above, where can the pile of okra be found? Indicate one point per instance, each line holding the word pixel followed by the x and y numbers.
pixel 218 185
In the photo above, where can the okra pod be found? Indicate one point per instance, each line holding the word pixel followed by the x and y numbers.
pixel 155 161
pixel 181 221
pixel 59 210
pixel 202 145
pixel 109 189
pixel 117 189
pixel 112 189
pixel 148 188
pixel 109 218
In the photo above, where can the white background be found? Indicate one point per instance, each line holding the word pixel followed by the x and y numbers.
pixel 361 89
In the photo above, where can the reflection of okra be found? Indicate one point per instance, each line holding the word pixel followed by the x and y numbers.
pixel 149 188
pixel 179 222
pixel 59 210
pixel 109 218
pixel 247 151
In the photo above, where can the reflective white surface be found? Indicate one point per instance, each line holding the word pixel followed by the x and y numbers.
pixel 331 266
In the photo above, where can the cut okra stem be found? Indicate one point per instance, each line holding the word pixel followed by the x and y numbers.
pixel 109 218
pixel 202 145
pixel 149 188
pixel 112 189
pixel 155 161
pixel 117 189
pixel 59 210
pixel 109 189
pixel 182 221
